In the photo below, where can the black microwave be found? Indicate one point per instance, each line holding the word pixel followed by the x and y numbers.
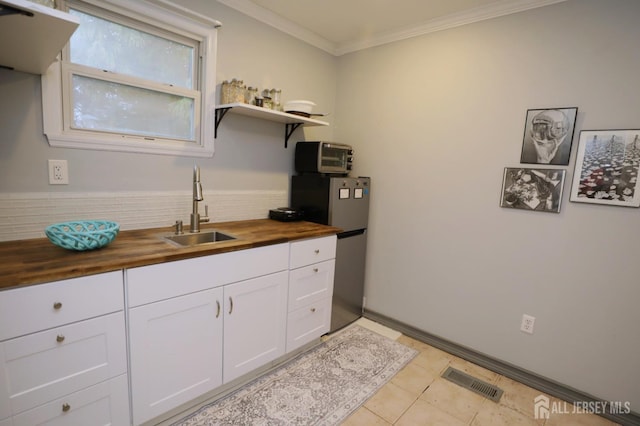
pixel 323 157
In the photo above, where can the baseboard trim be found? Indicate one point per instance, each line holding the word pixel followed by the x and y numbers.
pixel 555 389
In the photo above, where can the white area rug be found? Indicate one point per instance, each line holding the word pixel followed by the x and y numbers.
pixel 320 387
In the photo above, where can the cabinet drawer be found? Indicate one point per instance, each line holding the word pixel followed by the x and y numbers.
pixel 152 283
pixel 39 307
pixel 308 323
pixel 106 403
pixel 311 251
pixel 311 283
pixel 41 367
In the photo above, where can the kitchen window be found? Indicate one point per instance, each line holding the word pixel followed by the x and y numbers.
pixel 135 76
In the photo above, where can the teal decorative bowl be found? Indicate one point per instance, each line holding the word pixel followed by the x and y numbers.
pixel 82 235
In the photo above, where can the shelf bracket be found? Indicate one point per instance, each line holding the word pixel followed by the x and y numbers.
pixel 9 10
pixel 289 129
pixel 220 112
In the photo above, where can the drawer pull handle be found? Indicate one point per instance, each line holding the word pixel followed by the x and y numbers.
pixel 315 269
pixel 57 305
pixel 66 407
pixel 218 311
pixel 59 338
pixel 230 305
pixel 313 309
pixel 317 251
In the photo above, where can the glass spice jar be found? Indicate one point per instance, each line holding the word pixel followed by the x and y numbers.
pixel 266 99
pixel 225 92
pixel 250 95
pixel 275 99
pixel 238 91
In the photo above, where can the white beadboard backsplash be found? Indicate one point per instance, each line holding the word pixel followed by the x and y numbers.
pixel 26 215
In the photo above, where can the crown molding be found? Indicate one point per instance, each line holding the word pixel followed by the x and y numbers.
pixel 493 10
pixel 278 22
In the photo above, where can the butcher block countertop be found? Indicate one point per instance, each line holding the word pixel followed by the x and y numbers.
pixel 35 261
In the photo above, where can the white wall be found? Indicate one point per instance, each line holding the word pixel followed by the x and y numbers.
pixel 434 121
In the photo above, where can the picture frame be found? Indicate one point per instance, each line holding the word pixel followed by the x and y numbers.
pixel 548 135
pixel 606 170
pixel 532 189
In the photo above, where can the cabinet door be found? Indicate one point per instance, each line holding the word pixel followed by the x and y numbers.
pixel 254 323
pixel 175 351
pixel 106 403
pixel 41 367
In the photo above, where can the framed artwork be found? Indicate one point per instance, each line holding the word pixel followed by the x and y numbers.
pixel 548 134
pixel 532 189
pixel 607 168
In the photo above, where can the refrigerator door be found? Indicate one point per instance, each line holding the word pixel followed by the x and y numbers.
pixel 348 287
pixel 349 202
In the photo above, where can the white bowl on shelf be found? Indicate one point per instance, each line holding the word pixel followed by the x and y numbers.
pixel 299 106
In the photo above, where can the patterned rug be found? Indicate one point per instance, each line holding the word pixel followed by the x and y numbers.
pixel 320 387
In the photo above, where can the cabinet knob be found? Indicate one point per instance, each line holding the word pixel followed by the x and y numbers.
pixel 59 338
pixel 317 251
pixel 66 407
pixel 57 305
pixel 315 269
pixel 313 309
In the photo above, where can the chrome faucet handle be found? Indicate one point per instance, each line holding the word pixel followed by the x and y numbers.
pixel 178 227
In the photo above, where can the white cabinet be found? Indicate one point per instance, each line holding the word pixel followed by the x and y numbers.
pixel 311 283
pixel 58 340
pixel 314 250
pixel 176 351
pixel 254 323
pixel 38 307
pixel 312 264
pixel 179 312
pixel 149 284
pixel 106 403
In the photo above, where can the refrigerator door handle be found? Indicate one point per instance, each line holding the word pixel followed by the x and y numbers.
pixel 348 234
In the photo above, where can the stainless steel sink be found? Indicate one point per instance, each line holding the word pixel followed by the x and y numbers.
pixel 205 237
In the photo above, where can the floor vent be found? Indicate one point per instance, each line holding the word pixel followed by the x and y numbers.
pixel 469 382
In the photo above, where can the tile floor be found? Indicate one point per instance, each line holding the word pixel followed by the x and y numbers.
pixel 417 395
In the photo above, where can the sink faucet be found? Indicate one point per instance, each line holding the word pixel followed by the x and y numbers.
pixel 197 197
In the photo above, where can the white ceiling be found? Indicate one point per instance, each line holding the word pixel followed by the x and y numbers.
pixel 342 26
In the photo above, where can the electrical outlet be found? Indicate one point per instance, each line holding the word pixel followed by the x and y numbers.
pixel 58 172
pixel 527 323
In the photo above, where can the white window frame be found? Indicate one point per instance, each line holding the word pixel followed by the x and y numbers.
pixel 166 16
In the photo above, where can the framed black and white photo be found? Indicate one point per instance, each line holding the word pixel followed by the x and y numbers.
pixel 548 134
pixel 532 189
pixel 607 168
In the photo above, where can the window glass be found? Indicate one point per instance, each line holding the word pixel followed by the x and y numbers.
pixel 112 107
pixel 112 46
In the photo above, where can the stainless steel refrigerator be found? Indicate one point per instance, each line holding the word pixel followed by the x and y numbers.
pixel 342 202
